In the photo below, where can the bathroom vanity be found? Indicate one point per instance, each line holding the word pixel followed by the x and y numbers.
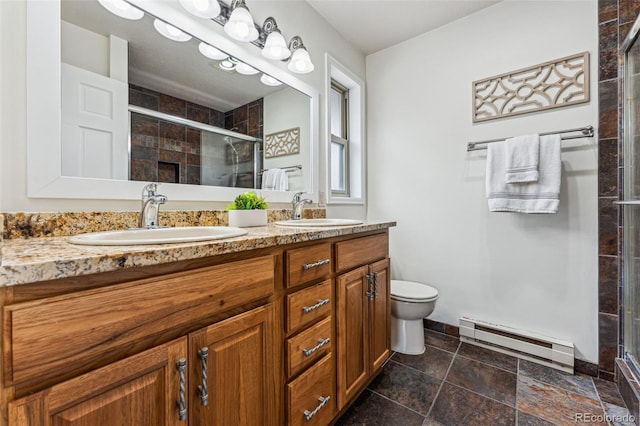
pixel 282 326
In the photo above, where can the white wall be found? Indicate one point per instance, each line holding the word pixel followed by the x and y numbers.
pixel 537 272
pixel 294 18
pixel 283 110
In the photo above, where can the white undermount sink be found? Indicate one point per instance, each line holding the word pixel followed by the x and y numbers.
pixel 307 223
pixel 138 236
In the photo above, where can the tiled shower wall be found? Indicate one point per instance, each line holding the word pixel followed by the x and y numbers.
pixel 615 19
pixel 167 152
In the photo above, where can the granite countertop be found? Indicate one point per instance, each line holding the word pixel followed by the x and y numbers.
pixel 40 259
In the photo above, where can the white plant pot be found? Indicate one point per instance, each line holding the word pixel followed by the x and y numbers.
pixel 247 218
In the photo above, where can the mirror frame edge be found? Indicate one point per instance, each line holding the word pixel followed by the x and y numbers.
pixel 44 177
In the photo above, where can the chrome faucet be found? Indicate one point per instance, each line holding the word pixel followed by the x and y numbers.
pixel 297 204
pixel 151 201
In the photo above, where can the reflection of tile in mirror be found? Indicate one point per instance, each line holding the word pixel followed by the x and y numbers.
pixel 168 172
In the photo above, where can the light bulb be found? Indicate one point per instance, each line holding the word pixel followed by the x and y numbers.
pixel 275 47
pixel 301 62
pixel 269 81
pixel 241 26
pixel 211 52
pixel 202 8
pixel 245 69
pixel 122 9
pixel 170 32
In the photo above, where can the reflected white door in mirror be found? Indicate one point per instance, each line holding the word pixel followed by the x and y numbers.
pixel 101 67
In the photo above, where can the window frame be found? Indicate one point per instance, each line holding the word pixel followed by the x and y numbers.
pixel 342 139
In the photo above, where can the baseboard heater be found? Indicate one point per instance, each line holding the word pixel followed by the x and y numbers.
pixel 522 344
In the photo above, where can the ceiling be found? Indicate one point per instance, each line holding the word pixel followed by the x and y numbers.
pixel 373 25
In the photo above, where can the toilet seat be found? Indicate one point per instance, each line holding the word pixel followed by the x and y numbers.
pixel 409 291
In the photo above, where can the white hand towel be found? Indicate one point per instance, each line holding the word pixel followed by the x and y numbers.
pixel 522 156
pixel 532 197
pixel 269 179
pixel 282 180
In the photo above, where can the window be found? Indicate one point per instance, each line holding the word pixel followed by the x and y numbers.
pixel 345 135
pixel 339 110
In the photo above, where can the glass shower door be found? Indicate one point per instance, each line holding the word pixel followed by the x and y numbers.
pixel 631 203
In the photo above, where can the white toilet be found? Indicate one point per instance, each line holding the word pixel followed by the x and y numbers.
pixel 410 303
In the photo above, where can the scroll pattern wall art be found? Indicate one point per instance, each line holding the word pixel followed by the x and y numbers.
pixel 553 84
pixel 286 142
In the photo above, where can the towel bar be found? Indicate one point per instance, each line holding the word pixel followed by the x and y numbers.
pixel 585 132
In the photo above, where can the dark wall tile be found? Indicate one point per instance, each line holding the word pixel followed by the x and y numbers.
pixel 172 156
pixel 585 367
pixel 607 64
pixel 433 325
pixel 142 125
pixel 608 226
pixel 608 106
pixel 193 175
pixel 608 392
pixel 194 141
pixel 628 387
pixel 607 10
pixel 143 153
pixel 216 118
pixel 254 119
pixel 146 141
pixel 608 285
pixel 172 131
pixel 240 114
pixel 608 341
pixel 173 106
pixel 144 170
pixel 628 10
pixel 168 172
pixel 143 99
pixel 452 330
pixel 193 159
pixel 197 113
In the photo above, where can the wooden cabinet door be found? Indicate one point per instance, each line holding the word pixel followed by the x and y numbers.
pixel 142 390
pixel 240 374
pixel 380 316
pixel 352 331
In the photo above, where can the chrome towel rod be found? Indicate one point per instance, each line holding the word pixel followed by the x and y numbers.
pixel 288 169
pixel 585 132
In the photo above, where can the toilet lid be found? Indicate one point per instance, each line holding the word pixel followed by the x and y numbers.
pixel 412 291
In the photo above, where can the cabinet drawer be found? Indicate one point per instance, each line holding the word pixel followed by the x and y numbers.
pixel 306 305
pixel 307 395
pixel 361 251
pixel 52 337
pixel 308 263
pixel 307 347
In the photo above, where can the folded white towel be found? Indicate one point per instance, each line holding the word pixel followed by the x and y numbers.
pixel 269 179
pixel 275 179
pixel 522 156
pixel 532 197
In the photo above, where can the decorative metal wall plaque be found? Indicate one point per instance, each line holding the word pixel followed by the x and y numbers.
pixel 286 142
pixel 553 84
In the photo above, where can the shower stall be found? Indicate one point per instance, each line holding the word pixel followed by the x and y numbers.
pixel 631 202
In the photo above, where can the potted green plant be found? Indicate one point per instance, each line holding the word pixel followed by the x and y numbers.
pixel 248 210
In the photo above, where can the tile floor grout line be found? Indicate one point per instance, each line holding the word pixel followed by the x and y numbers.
pixel 433 403
pixel 491 365
pixel 479 394
pixel 397 403
pixel 420 371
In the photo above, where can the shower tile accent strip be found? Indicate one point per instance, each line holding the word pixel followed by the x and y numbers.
pixel 42 224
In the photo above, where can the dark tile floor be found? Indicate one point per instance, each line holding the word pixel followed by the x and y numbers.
pixel 458 384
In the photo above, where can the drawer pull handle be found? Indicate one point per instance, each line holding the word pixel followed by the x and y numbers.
pixel 308 415
pixel 321 343
pixel 181 365
pixel 203 353
pixel 307 266
pixel 321 302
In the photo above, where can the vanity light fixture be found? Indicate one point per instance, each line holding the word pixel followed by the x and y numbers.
pixel 229 64
pixel 202 8
pixel 122 9
pixel 170 32
pixel 269 81
pixel 245 69
pixel 240 25
pixel 275 46
pixel 211 52
pixel 300 61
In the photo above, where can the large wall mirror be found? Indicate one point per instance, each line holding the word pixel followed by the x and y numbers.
pixel 133 106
